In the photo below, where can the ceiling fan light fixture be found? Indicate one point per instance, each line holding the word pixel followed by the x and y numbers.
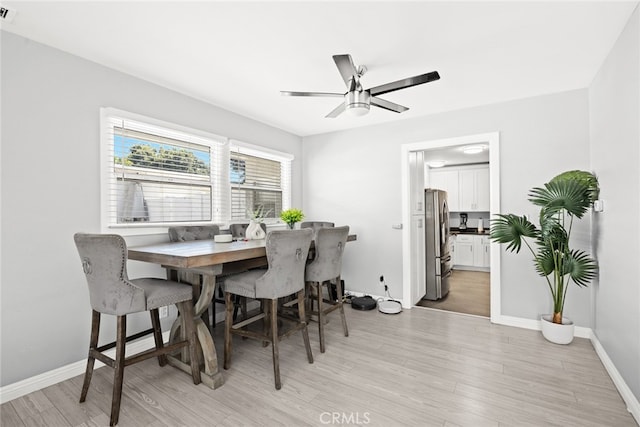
pixel 357 103
pixel 473 149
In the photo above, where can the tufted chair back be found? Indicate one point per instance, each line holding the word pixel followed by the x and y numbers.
pixel 329 246
pixel 193 232
pixel 316 225
pixel 239 231
pixel 287 252
pixel 104 261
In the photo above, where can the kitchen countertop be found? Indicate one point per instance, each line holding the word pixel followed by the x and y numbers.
pixel 472 231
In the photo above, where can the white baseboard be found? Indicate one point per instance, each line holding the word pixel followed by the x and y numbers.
pixel 46 379
pixel 633 406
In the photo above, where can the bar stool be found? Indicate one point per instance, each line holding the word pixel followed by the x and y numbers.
pixel 325 268
pixel 287 252
pixel 104 261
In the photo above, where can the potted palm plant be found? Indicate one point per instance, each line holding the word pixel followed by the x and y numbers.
pixel 567 197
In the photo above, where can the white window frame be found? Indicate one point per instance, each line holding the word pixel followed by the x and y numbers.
pixel 221 190
pixel 285 160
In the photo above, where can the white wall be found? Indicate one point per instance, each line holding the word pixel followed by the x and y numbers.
pixel 614 101
pixel 50 119
pixel 353 177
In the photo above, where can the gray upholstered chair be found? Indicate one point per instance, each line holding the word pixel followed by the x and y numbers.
pixel 196 276
pixel 239 231
pixel 316 225
pixel 287 252
pixel 193 232
pixel 325 268
pixel 104 261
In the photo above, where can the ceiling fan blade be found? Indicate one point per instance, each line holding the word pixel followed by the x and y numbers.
pixel 290 93
pixel 336 111
pixel 346 67
pixel 404 83
pixel 391 106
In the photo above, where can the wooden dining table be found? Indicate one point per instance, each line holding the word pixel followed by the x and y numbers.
pixel 214 259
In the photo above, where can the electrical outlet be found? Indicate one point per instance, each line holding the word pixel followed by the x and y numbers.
pixel 164 312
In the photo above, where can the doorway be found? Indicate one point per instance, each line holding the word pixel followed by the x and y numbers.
pixel 409 261
pixel 469 293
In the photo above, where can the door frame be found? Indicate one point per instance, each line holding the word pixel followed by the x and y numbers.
pixel 492 139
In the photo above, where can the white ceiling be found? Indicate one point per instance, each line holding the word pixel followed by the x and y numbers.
pixel 240 55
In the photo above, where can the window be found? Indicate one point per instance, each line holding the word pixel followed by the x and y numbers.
pixel 255 182
pixel 156 174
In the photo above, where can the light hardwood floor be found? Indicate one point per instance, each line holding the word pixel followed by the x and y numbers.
pixel 469 293
pixel 417 368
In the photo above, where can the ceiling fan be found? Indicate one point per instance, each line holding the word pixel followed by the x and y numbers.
pixel 358 100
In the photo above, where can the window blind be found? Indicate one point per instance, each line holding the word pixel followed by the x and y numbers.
pixel 162 175
pixel 259 179
pixel 157 174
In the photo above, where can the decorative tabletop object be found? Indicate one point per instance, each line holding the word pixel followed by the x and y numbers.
pixel 254 230
pixel 291 216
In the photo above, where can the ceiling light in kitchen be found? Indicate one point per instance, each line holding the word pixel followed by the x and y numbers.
pixel 473 149
pixel 436 163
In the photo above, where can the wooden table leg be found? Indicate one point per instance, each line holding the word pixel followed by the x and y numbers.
pixel 210 371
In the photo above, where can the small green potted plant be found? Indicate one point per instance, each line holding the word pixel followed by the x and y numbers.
pixel 291 216
pixel 567 197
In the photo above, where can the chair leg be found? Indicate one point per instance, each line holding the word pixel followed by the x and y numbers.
pixel 339 291
pixel 228 323
pixel 318 287
pixel 265 306
pixel 118 367
pixel 274 341
pixel 93 344
pixel 157 335
pixel 303 320
pixel 188 327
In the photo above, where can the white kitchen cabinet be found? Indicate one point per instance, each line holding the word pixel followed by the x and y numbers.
pixel 447 180
pixel 464 250
pixel 418 262
pixel 483 190
pixel 474 189
pixel 416 184
pixel 467 187
pixel 471 252
pixel 481 245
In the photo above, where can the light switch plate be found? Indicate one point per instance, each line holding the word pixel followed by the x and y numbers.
pixel 598 206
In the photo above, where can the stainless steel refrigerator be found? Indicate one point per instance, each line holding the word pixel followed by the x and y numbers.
pixel 438 258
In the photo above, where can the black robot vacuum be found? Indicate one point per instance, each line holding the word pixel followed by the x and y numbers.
pixel 363 303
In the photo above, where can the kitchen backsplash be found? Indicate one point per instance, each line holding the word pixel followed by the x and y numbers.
pixel 472 220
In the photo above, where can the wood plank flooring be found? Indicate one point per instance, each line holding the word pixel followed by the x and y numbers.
pixel 417 368
pixel 469 293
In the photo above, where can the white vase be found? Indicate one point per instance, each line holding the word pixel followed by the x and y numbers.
pixel 254 231
pixel 555 332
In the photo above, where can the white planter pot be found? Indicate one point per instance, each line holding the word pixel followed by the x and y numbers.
pixel 556 333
